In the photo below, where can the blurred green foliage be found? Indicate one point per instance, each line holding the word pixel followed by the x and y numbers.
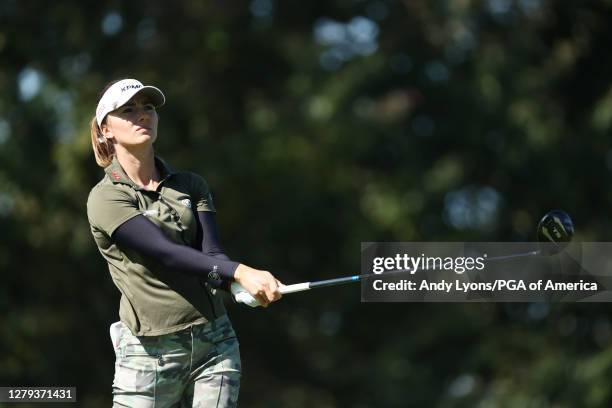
pixel 319 125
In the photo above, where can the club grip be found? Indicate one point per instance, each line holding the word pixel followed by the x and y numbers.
pixel 242 296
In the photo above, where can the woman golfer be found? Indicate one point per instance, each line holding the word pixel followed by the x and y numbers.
pixel 155 227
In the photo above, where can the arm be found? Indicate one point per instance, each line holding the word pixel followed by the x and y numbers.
pixel 208 242
pixel 113 211
pixel 141 235
pixel 208 237
pixel 262 284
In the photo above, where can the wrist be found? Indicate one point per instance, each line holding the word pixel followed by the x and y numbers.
pixel 238 273
pixel 232 271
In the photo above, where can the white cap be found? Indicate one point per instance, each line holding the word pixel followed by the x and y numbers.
pixel 122 91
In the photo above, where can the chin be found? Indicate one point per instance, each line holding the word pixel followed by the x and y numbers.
pixel 144 139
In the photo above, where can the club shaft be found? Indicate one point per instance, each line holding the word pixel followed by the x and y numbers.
pixel 514 256
pixel 299 287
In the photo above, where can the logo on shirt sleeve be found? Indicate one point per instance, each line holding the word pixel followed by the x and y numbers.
pixel 151 213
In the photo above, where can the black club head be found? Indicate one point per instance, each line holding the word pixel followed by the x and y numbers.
pixel 555 227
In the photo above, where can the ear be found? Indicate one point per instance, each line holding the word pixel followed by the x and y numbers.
pixel 106 131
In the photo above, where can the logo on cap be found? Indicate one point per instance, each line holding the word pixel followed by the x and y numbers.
pixel 125 88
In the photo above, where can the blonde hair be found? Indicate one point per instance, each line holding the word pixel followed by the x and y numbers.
pixel 103 148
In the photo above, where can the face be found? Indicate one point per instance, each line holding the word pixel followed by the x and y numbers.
pixel 135 123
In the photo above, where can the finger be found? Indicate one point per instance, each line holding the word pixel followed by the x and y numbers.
pixel 262 299
pixel 273 285
pixel 277 293
pixel 280 286
pixel 270 295
pixel 274 288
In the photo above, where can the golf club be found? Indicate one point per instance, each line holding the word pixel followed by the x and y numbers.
pixel 555 227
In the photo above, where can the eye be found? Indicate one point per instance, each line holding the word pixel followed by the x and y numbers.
pixel 126 110
pixel 149 106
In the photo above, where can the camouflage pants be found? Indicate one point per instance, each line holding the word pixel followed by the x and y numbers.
pixel 195 367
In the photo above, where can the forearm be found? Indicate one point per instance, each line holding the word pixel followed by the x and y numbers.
pixel 209 236
pixel 193 262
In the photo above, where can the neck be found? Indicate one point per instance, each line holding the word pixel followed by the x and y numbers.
pixel 139 166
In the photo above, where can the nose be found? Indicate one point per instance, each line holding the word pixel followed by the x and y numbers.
pixel 143 115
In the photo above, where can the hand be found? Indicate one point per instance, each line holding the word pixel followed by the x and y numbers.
pixel 262 285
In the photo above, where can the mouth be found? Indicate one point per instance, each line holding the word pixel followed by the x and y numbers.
pixel 139 128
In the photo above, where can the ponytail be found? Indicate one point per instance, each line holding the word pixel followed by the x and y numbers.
pixel 102 147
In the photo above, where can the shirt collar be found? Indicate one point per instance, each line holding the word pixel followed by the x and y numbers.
pixel 117 175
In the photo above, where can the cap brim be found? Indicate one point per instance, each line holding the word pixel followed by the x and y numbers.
pixel 156 96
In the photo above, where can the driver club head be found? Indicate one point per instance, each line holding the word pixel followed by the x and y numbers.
pixel 555 227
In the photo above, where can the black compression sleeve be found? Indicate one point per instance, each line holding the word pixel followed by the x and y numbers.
pixel 146 238
pixel 209 242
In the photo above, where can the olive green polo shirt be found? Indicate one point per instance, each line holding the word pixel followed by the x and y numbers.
pixel 154 300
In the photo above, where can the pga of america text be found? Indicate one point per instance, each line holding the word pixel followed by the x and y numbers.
pixel 493 286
